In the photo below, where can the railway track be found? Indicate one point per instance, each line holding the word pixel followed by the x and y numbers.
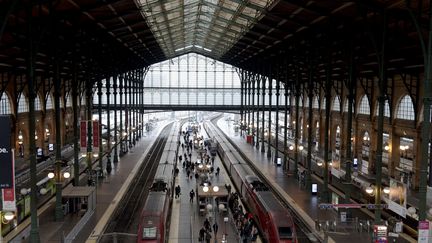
pixel 136 194
pixel 304 233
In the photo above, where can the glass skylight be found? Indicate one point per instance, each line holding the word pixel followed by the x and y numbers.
pixel 210 27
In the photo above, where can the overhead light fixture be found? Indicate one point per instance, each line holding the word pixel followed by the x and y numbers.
pixel 369 190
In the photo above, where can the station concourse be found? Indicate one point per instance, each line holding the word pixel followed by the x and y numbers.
pixel 326 102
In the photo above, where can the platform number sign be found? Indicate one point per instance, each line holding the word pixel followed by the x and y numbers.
pixel 6 163
pixel 380 234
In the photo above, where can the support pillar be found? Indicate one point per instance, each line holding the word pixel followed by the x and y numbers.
pixel 425 127
pixel 115 160
pixel 325 195
pixel 297 123
pixel 248 78
pixel 99 93
pixel 257 80
pixel 241 102
pixel 252 108
pixel 348 154
pixel 263 80
pixel 89 101
pixel 380 121
pixel 75 124
pixel 277 118
pixel 121 80
pixel 286 165
pixel 58 160
pixel 34 231
pixel 108 93
pixel 269 143
pixel 310 119
pixel 131 110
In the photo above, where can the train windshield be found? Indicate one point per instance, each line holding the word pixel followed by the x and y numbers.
pixel 285 233
pixel 149 233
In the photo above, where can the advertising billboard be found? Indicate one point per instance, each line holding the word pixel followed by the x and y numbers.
pixel 6 163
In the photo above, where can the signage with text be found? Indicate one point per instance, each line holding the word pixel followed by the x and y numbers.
pixel 380 234
pixel 8 194
pixel 423 232
pixel 6 163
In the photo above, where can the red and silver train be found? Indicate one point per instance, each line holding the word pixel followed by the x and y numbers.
pixel 274 219
pixel 154 222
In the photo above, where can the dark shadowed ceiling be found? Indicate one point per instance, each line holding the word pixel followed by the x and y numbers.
pixel 101 37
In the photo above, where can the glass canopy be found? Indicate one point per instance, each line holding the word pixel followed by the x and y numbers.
pixel 209 27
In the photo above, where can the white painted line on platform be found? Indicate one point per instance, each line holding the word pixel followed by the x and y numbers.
pixel 175 217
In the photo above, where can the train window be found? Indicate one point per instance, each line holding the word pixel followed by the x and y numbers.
pixel 149 232
pixel 285 233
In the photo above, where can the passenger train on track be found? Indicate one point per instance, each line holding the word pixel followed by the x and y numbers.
pixel 275 220
pixel 154 221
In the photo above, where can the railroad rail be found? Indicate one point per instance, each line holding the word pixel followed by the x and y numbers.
pixel 304 230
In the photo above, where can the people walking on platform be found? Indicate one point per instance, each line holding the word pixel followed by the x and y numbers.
pixel 191 195
pixel 201 234
pixel 208 237
pixel 215 228
pixel 217 171
pixel 228 187
pixel 177 191
pixel 207 224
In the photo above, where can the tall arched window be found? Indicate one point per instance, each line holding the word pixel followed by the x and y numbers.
pixel 49 103
pixel 405 109
pixel 315 103
pixel 69 101
pixel 323 106
pixel 364 106
pixel 386 109
pixel 37 103
pixel 336 104
pixel 5 106
pixel 22 104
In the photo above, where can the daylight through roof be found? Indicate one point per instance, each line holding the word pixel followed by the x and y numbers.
pixel 209 27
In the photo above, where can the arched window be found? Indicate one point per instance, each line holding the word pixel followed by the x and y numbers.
pixel 22 104
pixel 5 106
pixel 323 106
pixel 301 101
pixel 69 101
pixel 49 103
pixel 315 103
pixel 405 109
pixel 364 106
pixel 386 109
pixel 37 103
pixel 336 104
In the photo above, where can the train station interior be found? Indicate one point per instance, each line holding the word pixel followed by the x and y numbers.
pixel 215 121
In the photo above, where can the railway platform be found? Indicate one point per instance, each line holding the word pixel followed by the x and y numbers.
pixel 51 231
pixel 300 198
pixel 187 219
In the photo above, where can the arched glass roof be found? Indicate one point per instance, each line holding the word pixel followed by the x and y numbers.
pixel 209 27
